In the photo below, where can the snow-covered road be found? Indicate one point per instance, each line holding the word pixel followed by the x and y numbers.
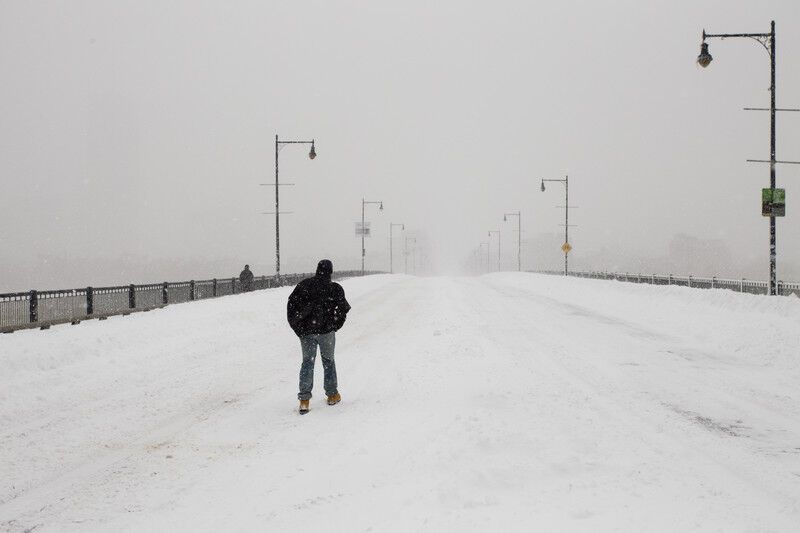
pixel 509 402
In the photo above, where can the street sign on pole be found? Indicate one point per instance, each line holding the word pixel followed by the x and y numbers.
pixel 363 230
pixel 566 248
pixel 773 202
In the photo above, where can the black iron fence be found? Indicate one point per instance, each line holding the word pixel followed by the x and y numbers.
pixel 42 309
pixel 738 285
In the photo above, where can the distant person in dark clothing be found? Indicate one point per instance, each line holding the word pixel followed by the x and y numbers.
pixel 246 279
pixel 317 309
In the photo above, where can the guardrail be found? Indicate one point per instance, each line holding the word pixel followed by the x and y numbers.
pixel 42 309
pixel 739 285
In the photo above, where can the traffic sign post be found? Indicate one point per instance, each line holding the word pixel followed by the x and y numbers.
pixel 363 229
pixel 773 202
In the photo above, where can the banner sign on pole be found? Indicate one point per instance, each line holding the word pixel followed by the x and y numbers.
pixel 773 202
pixel 363 230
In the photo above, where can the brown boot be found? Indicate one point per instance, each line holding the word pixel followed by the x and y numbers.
pixel 303 407
pixel 336 398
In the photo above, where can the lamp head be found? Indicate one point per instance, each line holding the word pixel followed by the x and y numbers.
pixel 403 228
pixel 381 207
pixel 704 59
pixel 313 153
pixel 504 219
pixel 542 185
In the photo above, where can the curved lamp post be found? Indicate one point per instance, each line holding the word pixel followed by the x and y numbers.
pixel 488 264
pixel 364 230
pixel 566 246
pixel 405 252
pixel 392 225
pixel 311 155
pixel 767 40
pixel 518 214
pixel 498 246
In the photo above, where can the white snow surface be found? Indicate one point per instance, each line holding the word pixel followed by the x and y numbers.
pixel 507 402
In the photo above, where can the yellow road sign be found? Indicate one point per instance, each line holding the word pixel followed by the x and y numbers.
pixel 566 248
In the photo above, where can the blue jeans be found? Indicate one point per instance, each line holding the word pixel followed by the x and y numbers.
pixel 327 345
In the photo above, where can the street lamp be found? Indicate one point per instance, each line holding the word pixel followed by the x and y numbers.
pixel 364 229
pixel 481 245
pixel 767 40
pixel 566 246
pixel 498 246
pixel 392 225
pixel 518 214
pixel 311 155
pixel 704 59
pixel 405 252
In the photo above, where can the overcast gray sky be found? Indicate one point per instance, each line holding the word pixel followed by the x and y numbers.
pixel 135 134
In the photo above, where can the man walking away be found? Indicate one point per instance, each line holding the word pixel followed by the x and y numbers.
pixel 317 309
pixel 246 279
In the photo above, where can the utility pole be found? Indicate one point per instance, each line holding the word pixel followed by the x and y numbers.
pixel 518 214
pixel 498 245
pixel 392 225
pixel 488 264
pixel 311 154
pixel 767 40
pixel 364 230
pixel 405 251
pixel 566 247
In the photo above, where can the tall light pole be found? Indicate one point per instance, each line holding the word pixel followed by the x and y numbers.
pixel 364 229
pixel 392 225
pixel 481 245
pixel 498 246
pixel 311 154
pixel 518 214
pixel 566 247
pixel 767 40
pixel 405 251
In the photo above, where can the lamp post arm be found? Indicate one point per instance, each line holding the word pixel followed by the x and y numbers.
pixel 764 39
pixel 726 35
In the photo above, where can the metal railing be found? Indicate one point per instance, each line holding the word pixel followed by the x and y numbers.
pixel 42 309
pixel 738 285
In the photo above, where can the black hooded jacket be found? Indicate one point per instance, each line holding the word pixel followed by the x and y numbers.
pixel 246 280
pixel 317 305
